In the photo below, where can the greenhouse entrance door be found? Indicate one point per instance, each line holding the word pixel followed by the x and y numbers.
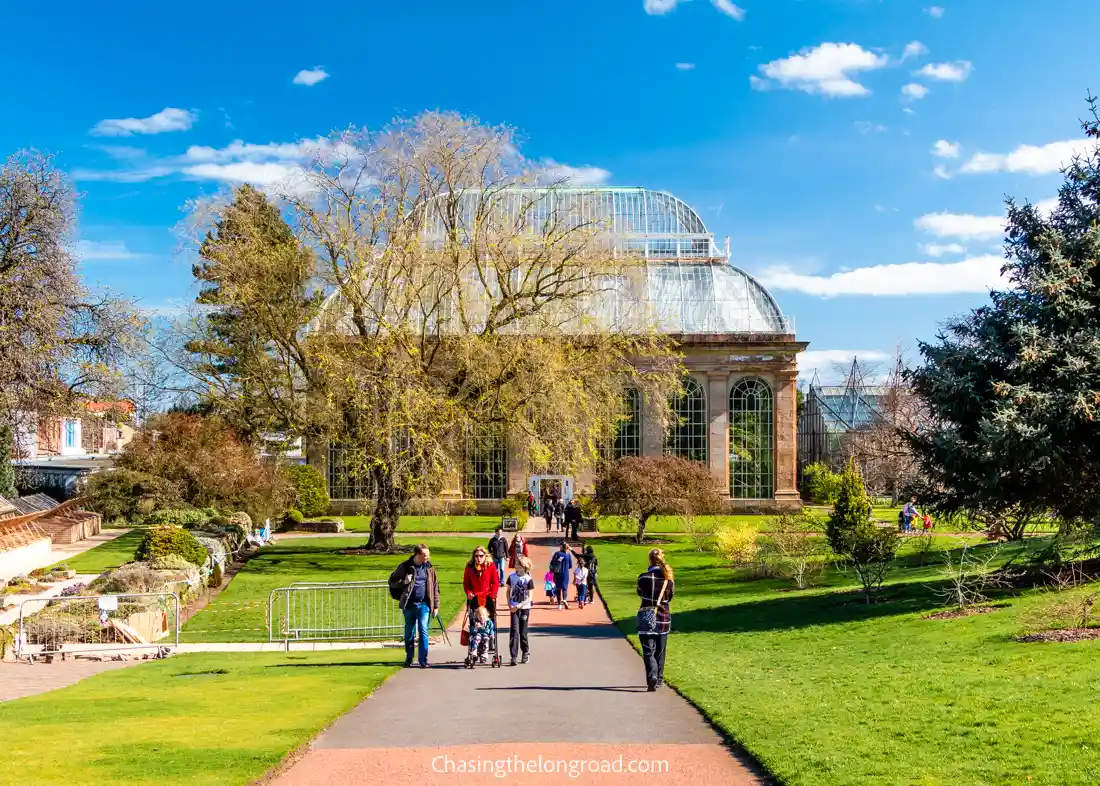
pixel 558 486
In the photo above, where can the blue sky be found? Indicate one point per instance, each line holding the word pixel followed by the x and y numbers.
pixel 857 152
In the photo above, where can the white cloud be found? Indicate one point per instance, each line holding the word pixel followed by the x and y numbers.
pixel 867 127
pixel 729 9
pixel 824 361
pixel 1047 206
pixel 914 91
pixel 908 110
pixel 942 172
pixel 168 119
pixel 260 174
pixel 685 66
pixel 1029 159
pixel 945 149
pixel 936 12
pixel 914 49
pixel 139 175
pixel 553 172
pixel 111 250
pixel 947 72
pixel 826 70
pixel 310 76
pixel 962 226
pixel 976 274
pixel 938 250
pixel 660 7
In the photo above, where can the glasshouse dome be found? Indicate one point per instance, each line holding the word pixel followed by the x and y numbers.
pixel 736 413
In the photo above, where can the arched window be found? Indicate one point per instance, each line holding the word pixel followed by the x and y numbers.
pixel 687 437
pixel 485 466
pixel 625 438
pixel 752 449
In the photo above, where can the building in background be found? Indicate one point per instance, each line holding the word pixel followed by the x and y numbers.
pixel 737 414
pixel 832 413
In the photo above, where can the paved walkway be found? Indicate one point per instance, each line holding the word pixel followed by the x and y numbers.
pixel 582 697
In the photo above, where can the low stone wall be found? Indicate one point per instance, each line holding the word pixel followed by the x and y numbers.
pixel 320 526
pixel 21 560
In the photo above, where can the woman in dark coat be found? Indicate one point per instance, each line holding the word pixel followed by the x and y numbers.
pixel 655 588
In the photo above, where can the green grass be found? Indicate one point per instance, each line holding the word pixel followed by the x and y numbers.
pixel 239 613
pixel 824 689
pixel 107 555
pixel 172 721
pixel 428 523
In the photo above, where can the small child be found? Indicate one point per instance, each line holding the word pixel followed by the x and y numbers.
pixel 548 585
pixel 481 631
pixel 580 579
pixel 927 523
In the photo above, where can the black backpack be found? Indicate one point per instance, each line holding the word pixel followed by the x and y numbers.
pixel 397 581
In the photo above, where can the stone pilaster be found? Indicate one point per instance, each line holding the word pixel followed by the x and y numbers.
pixel 786 437
pixel 517 468
pixel 653 437
pixel 718 431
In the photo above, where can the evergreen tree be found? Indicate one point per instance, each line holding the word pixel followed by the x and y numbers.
pixel 250 255
pixel 1013 387
pixel 7 469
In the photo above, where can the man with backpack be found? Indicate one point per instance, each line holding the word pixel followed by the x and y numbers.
pixel 561 565
pixel 414 586
pixel 498 551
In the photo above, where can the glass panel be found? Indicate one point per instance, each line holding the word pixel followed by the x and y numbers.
pixel 752 455
pixel 347 475
pixel 485 468
pixel 688 436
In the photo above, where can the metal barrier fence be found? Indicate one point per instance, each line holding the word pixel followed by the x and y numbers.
pixel 337 611
pixel 98 623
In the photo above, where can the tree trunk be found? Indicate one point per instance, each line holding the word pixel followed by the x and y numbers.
pixel 642 519
pixel 389 502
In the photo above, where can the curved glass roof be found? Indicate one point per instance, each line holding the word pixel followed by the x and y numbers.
pixel 688 287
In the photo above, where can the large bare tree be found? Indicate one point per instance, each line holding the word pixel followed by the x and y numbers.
pixel 458 298
pixel 59 341
pixel 880 447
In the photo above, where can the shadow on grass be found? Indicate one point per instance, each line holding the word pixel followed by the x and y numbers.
pixel 791 612
pixel 568 688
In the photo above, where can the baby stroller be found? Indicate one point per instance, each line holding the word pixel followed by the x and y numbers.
pixel 494 642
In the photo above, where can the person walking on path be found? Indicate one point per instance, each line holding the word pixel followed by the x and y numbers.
pixel 656 588
pixel 573 517
pixel 580 579
pixel 498 550
pixel 520 587
pixel 559 514
pixel 415 586
pixel 481 582
pixel 561 565
pixel 518 548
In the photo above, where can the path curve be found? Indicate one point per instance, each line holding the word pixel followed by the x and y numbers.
pixel 580 702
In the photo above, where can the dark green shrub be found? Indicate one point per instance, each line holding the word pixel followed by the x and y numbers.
pixel 130 495
pixel 311 493
pixel 163 541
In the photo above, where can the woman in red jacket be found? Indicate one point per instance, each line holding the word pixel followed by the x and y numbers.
pixel 518 548
pixel 481 582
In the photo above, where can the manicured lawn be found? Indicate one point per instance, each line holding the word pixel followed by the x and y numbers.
pixel 240 612
pixel 428 523
pixel 173 721
pixel 824 689
pixel 107 555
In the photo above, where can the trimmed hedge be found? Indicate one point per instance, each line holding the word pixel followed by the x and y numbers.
pixel 164 541
pixel 311 493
